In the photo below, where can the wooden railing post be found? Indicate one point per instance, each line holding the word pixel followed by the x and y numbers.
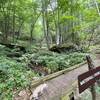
pixel 91 66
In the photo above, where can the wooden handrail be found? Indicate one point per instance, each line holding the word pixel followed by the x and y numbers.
pixel 54 75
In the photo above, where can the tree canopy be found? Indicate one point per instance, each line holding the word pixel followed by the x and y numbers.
pixel 53 21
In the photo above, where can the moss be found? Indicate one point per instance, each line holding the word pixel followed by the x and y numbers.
pixel 63 48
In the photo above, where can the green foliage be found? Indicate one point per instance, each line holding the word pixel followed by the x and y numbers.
pixel 52 65
pixel 54 61
pixel 66 16
pixel 13 76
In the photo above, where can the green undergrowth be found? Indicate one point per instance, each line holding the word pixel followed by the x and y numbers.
pixel 54 61
pixel 13 76
pixel 86 95
pixel 16 75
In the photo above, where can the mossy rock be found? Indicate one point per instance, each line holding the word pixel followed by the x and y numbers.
pixel 13 46
pixel 63 48
pixel 15 54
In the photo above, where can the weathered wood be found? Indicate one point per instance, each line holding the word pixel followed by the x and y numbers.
pixel 51 76
pixel 66 94
pixel 87 79
pixel 91 66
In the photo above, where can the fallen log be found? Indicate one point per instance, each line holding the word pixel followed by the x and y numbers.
pixel 63 48
pixel 12 46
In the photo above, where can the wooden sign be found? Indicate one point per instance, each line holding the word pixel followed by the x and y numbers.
pixel 88 78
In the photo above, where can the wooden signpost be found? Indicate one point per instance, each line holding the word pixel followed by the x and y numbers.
pixel 88 79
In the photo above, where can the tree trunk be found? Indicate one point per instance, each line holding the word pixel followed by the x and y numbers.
pixel 13 21
pixel 97 7
pixel 58 34
pixel 45 23
pixel 33 26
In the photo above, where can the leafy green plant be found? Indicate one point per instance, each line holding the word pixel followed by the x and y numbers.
pixel 52 65
pixel 13 76
pixel 55 61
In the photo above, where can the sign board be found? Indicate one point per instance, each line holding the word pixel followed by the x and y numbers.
pixel 88 78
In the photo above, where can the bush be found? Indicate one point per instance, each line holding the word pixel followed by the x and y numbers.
pixel 55 61
pixel 13 76
pixel 52 65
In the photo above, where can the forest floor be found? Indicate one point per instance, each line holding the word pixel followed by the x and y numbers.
pixel 22 74
pixel 58 85
pixel 17 63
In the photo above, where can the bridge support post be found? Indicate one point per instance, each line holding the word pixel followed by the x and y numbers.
pixel 91 66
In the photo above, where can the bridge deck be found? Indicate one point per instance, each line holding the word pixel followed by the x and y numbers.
pixel 58 84
pixel 61 84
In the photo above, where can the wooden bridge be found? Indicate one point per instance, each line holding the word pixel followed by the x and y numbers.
pixel 63 84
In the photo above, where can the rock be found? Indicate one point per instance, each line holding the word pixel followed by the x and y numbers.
pixel 63 48
pixel 36 78
pixel 22 93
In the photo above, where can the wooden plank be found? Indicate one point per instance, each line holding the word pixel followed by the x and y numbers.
pixel 89 78
pixel 51 76
pixel 90 67
pixel 65 95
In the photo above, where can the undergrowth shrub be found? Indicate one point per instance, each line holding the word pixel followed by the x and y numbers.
pixel 13 76
pixel 54 61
